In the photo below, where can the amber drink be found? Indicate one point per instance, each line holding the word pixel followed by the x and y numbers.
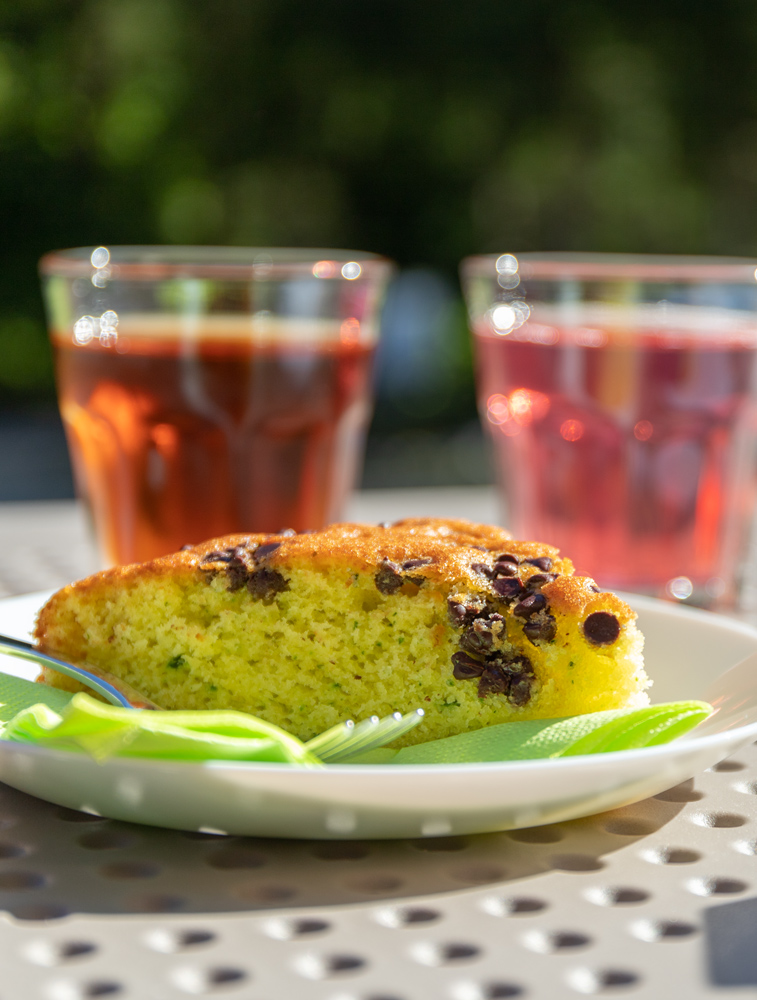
pixel 188 423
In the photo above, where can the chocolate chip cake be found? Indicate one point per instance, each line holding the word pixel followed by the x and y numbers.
pixel 306 630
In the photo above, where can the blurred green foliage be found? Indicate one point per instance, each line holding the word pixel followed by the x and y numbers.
pixel 423 129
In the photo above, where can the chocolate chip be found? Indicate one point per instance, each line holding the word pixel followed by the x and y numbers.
pixel 266 583
pixel 415 563
pixel 481 568
pixel 464 667
pixel 538 580
pixel 508 587
pixel 601 628
pixel 507 557
pixel 385 524
pixel 530 605
pixel 541 628
pixel 511 676
pixel 237 572
pixel 541 562
pixel 226 556
pixel 265 550
pixel 286 532
pixel 186 548
pixel 520 692
pixel 493 681
pixel 457 611
pixel 518 666
pixel 595 588
pixel 388 579
pixel 505 568
pixel 476 639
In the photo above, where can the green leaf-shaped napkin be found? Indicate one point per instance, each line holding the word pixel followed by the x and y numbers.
pixel 35 713
pixel 61 721
pixel 598 732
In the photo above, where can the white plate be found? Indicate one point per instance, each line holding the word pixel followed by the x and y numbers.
pixel 688 654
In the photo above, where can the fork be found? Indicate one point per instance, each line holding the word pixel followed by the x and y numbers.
pixel 113 690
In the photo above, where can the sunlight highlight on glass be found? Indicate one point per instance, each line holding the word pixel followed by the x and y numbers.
pixel 572 430
pixel 324 269
pixel 643 430
pixel 100 257
pixel 680 587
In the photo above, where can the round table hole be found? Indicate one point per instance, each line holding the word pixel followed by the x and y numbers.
pixel 718 820
pixel 537 835
pixel 576 863
pixel 485 991
pixel 447 953
pixel 196 980
pixel 341 850
pixel 169 941
pixel 107 840
pixel 68 990
pixel 548 942
pixel 440 844
pixel 315 966
pixel 286 929
pixel 513 906
pixel 52 953
pixel 672 856
pixel 629 827
pixel 129 870
pixel 236 858
pixel 716 886
pixel 684 792
pixel 407 916
pixel 12 851
pixel 746 787
pixel 16 881
pixel 40 911
pixel 156 903
pixel 746 847
pixel 616 895
pixel 727 766
pixel 479 874
pixel 376 885
pixel 663 930
pixel 601 980
pixel 270 893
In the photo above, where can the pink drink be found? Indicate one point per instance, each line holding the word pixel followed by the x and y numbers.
pixel 632 451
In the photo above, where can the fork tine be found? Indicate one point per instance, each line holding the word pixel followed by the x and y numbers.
pixel 368 734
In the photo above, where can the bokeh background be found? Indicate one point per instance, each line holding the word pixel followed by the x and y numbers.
pixel 421 129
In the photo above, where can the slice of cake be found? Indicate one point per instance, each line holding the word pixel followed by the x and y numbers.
pixel 306 630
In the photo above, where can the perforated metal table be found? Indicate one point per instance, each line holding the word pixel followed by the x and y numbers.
pixel 654 900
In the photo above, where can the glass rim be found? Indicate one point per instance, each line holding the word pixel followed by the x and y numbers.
pixel 615 266
pixel 230 263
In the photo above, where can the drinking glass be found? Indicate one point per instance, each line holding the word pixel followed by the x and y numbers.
pixel 619 394
pixel 211 390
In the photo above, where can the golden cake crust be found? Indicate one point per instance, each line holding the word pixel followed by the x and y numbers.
pixel 452 546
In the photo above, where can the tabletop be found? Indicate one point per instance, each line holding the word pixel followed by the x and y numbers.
pixel 655 899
